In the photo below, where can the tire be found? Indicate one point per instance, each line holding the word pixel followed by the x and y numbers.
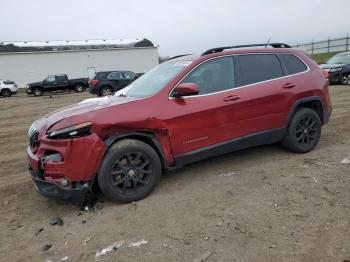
pixel 106 91
pixel 345 79
pixel 37 91
pixel 129 171
pixel 6 92
pixel 79 88
pixel 303 132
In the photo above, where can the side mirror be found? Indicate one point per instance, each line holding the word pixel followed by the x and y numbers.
pixel 186 89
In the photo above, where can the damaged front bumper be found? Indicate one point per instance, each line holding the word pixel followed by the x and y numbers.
pixel 52 190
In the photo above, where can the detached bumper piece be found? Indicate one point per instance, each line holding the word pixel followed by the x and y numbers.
pixel 52 190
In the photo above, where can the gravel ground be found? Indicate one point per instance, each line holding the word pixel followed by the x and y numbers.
pixel 273 206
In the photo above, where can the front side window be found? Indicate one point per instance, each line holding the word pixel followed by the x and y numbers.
pixel 213 76
pixel 256 68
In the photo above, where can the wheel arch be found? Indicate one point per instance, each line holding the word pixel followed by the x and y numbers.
pixel 313 102
pixel 144 136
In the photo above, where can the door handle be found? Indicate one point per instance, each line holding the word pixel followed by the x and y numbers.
pixel 288 85
pixel 231 98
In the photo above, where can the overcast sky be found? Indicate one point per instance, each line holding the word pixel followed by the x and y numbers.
pixel 177 26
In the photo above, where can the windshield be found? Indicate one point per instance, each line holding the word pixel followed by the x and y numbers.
pixel 153 81
pixel 340 59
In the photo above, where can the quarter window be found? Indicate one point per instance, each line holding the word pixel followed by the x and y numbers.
pixel 293 64
pixel 258 67
pixel 129 75
pixel 213 76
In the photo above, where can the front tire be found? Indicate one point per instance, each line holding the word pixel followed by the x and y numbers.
pixel 130 171
pixel 345 79
pixel 106 91
pixel 303 132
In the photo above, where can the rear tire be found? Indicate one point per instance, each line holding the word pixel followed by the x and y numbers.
pixel 106 91
pixel 303 132
pixel 6 92
pixel 79 88
pixel 37 92
pixel 129 171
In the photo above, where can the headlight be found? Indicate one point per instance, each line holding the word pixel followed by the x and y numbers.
pixel 78 130
pixel 335 69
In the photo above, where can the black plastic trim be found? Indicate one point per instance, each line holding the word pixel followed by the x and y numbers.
pixel 260 138
pixel 53 191
pixel 112 139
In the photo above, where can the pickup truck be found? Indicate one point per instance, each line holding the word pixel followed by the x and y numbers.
pixel 55 83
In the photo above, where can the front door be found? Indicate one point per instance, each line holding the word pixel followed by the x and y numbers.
pixel 201 120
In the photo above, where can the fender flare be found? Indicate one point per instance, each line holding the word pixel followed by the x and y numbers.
pixel 156 143
pixel 301 101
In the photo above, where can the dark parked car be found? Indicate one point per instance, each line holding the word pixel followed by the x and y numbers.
pixel 108 82
pixel 184 110
pixel 55 83
pixel 338 68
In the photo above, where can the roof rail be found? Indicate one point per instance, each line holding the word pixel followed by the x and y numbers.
pixel 220 49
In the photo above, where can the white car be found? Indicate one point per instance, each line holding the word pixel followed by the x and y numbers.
pixel 7 88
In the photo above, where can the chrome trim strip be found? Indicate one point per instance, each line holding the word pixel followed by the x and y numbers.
pixel 235 88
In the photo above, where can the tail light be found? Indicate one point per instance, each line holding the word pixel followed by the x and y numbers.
pixel 325 73
pixel 94 82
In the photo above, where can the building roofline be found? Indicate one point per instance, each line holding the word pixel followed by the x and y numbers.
pixel 79 50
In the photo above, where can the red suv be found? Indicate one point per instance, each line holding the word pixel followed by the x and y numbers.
pixel 184 110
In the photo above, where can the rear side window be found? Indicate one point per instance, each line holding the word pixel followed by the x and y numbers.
pixel 100 75
pixel 115 75
pixel 8 83
pixel 257 68
pixel 293 64
pixel 213 76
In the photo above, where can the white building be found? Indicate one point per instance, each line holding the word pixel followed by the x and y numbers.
pixel 26 62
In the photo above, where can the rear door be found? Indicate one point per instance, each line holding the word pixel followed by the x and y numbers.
pixel 266 92
pixel 117 79
pixel 62 82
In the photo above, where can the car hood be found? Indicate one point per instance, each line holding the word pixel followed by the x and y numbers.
pixel 328 66
pixel 87 107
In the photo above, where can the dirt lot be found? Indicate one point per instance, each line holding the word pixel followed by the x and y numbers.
pixel 276 206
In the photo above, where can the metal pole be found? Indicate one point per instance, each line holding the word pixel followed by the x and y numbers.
pixel 328 43
pixel 312 47
pixel 347 42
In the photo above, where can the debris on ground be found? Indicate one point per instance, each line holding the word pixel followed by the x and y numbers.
pixel 83 221
pixel 92 203
pixel 38 231
pixel 56 221
pixel 138 243
pixel 272 246
pixel 46 247
pixel 84 242
pixel 203 257
pixel 227 174
pixel 64 258
pixel 346 160
pixel 114 247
